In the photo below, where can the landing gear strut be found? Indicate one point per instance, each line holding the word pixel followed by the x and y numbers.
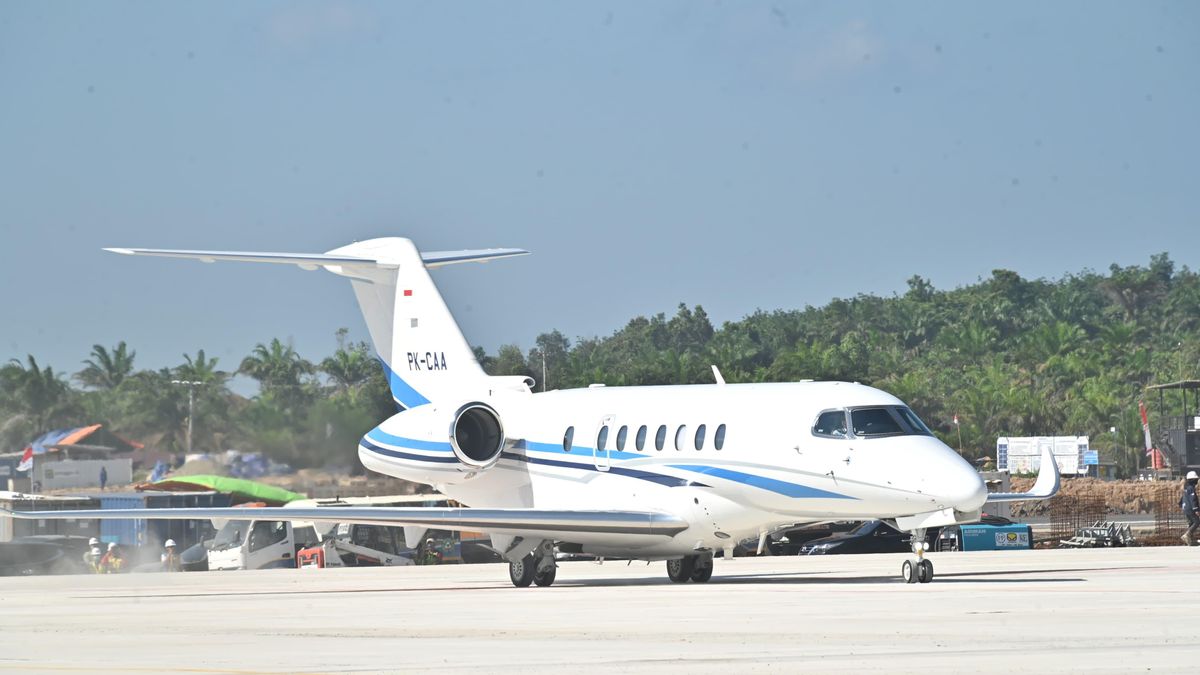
pixel 917 569
pixel 697 568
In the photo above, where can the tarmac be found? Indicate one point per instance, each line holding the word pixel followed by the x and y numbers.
pixel 1055 611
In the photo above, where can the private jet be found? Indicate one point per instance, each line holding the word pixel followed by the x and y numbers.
pixel 654 473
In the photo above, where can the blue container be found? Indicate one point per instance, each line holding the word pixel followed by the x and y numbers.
pixel 996 537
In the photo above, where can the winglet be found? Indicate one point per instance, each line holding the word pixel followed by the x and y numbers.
pixel 1045 487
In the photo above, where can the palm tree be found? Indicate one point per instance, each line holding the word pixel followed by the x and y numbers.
pixel 276 366
pixel 37 398
pixel 201 369
pixel 349 368
pixel 106 370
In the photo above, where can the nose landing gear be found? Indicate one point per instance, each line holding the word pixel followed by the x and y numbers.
pixel 917 569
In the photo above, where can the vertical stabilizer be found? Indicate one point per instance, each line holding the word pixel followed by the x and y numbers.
pixel 424 354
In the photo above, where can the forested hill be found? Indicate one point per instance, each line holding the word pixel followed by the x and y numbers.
pixel 1008 356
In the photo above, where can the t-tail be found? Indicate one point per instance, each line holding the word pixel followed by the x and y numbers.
pixel 424 354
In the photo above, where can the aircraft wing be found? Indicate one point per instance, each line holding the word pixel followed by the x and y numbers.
pixel 314 260
pixel 1045 487
pixel 519 522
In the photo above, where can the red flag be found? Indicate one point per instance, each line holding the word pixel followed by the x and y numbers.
pixel 26 462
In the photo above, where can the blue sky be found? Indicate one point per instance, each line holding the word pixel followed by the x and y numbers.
pixel 737 155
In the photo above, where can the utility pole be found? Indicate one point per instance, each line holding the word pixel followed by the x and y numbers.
pixel 191 385
pixel 544 375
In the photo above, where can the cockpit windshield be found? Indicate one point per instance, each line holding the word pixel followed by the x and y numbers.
pixel 870 422
pixel 892 420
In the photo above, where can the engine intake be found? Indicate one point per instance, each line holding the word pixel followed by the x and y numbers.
pixel 476 435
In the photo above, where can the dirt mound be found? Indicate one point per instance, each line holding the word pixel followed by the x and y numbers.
pixel 1118 496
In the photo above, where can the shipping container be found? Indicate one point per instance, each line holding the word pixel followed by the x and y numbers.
pixel 152 533
pixel 11 528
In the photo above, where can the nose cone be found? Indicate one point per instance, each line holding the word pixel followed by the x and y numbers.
pixel 963 488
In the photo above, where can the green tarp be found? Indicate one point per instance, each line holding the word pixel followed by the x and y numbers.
pixel 240 489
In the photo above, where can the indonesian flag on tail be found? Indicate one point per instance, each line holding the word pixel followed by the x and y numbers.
pixel 26 462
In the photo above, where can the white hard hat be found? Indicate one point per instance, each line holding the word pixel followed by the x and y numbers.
pixel 112 545
pixel 169 543
pixel 93 542
pixel 96 550
pixel 1192 476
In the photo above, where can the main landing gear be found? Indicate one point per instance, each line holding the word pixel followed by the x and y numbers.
pixel 697 568
pixel 917 569
pixel 536 568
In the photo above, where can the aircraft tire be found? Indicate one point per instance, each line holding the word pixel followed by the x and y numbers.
pixel 908 572
pixel 522 571
pixel 680 570
pixel 702 573
pixel 924 571
pixel 545 578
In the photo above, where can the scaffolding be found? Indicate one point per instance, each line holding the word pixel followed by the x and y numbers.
pixel 1068 513
pixel 1168 517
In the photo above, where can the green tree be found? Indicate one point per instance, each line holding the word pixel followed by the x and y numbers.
pixel 107 369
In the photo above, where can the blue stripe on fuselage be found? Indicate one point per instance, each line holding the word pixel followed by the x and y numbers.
pixel 782 487
pixel 381 436
pixel 405 455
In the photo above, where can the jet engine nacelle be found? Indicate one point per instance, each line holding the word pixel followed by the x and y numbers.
pixel 476 435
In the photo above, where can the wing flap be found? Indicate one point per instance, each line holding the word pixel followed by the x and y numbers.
pixel 499 521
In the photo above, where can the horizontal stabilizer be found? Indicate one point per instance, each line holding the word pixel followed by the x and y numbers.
pixel 314 260
pixel 500 521
pixel 1045 487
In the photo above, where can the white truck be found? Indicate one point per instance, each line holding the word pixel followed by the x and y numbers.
pixel 259 544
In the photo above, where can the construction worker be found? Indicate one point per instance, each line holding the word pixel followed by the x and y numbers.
pixel 91 557
pixel 1191 507
pixel 170 558
pixel 431 556
pixel 112 562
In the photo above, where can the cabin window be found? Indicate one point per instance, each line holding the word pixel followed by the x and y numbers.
pixel 602 437
pixel 875 422
pixel 831 424
pixel 700 437
pixel 622 433
pixel 660 439
pixel 719 438
pixel 641 438
pixel 681 437
pixel 568 439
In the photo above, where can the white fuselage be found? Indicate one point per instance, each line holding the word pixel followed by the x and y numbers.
pixel 771 470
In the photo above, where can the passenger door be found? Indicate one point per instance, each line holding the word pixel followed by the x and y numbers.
pixel 827 447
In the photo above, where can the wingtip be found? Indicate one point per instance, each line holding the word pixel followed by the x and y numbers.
pixel 120 251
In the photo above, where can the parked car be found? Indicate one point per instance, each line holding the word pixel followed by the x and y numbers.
pixel 873 536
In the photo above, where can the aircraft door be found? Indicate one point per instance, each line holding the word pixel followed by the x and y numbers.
pixel 604 440
pixel 830 448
